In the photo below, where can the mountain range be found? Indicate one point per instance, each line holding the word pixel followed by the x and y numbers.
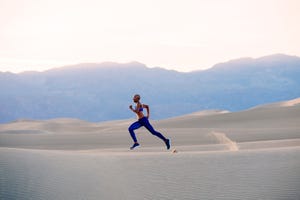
pixel 100 92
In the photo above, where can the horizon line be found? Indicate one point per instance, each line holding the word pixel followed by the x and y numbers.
pixel 61 65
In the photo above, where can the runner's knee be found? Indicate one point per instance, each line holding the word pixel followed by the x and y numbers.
pixel 154 132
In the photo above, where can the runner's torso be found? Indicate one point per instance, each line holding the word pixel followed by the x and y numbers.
pixel 140 109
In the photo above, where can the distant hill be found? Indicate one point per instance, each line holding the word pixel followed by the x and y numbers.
pixel 98 92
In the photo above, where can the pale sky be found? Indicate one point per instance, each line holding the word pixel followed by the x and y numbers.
pixel 183 35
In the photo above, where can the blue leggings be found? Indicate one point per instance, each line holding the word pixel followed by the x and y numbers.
pixel 144 122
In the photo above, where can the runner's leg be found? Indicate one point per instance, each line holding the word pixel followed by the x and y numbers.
pixel 131 129
pixel 148 126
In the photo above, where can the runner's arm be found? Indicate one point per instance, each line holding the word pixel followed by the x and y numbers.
pixel 148 110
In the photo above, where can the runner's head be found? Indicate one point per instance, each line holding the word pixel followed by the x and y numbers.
pixel 136 98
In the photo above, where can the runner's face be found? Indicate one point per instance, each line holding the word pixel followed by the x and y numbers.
pixel 136 99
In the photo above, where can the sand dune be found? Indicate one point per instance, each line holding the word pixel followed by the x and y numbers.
pixel 292 102
pixel 252 154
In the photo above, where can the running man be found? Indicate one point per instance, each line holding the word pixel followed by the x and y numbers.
pixel 143 121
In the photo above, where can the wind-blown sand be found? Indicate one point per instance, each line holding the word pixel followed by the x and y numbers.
pixel 253 154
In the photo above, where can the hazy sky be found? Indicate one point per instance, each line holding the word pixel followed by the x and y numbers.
pixel 183 35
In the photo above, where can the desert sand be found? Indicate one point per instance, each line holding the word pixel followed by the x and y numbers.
pixel 252 154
